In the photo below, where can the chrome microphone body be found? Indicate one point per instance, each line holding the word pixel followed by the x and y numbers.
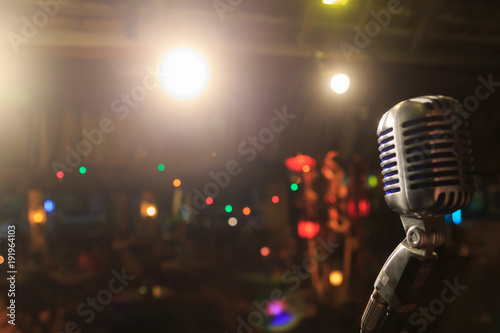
pixel 427 172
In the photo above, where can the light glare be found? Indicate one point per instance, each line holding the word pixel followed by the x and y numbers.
pixel 340 83
pixel 183 73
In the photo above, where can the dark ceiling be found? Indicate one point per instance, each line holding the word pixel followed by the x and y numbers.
pixel 63 78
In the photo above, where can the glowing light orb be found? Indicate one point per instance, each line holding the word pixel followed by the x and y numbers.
pixel 306 168
pixel 161 167
pixel 60 174
pixel 2 259
pixel 294 187
pixel 246 211
pixel 275 308
pixel 340 83
pixel 177 182
pixel 38 217
pixel 228 209
pixel 83 170
pixel 183 73
pixel 275 199
pixel 265 251
pixel 209 200
pixel 232 221
pixel 49 205
pixel 336 278
pixel 151 211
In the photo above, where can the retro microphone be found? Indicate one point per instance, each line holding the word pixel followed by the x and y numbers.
pixel 427 172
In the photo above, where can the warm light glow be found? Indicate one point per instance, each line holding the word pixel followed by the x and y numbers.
pixel 336 2
pixel 275 199
pixel 246 211
pixel 183 73
pixel 143 290
pixel 209 200
pixel 306 168
pixel 336 278
pixel 308 229
pixel 151 211
pixel 177 182
pixel 232 221
pixel 340 83
pixel 264 251
pixel 60 174
pixel 2 259
pixel 38 217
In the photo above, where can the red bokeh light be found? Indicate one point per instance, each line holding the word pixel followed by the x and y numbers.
pixel 60 174
pixel 209 200
pixel 308 229
pixel 275 199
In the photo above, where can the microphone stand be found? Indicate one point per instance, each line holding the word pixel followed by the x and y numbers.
pixel 400 280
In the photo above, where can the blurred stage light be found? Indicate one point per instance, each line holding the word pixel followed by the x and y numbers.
pixel 340 83
pixel 275 307
pixel 177 182
pixel 209 200
pixel 151 211
pixel 336 278
pixel 372 181
pixel 264 251
pixel 229 208
pixel 232 221
pixel 306 168
pixel 161 167
pixel 60 174
pixel 183 73
pixel 294 187
pixel 82 170
pixel 38 217
pixel 456 217
pixel 2 259
pixel 336 2
pixel 246 211
pixel 275 199
pixel 49 205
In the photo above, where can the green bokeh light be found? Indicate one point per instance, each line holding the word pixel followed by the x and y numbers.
pixel 229 208
pixel 161 167
pixel 83 170
pixel 294 187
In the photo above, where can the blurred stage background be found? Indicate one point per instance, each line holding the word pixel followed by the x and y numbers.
pixel 102 170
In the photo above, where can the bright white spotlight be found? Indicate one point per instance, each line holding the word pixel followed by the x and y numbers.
pixel 340 83
pixel 183 73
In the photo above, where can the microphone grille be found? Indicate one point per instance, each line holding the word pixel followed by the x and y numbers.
pixel 426 157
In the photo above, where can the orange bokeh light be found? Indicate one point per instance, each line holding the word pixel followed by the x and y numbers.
pixel 177 182
pixel 246 211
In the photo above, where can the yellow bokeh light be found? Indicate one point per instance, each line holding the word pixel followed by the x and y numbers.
pixel 177 182
pixel 340 83
pixel 336 2
pixel 38 217
pixel 336 278
pixel 151 211
pixel 306 168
